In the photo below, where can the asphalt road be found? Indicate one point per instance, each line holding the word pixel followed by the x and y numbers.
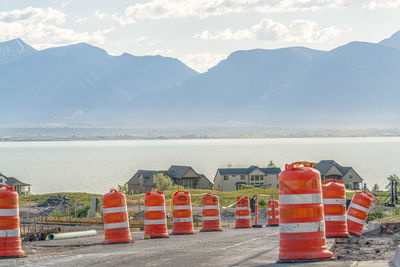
pixel 231 247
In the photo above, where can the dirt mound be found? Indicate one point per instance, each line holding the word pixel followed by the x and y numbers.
pixel 366 248
pixel 54 201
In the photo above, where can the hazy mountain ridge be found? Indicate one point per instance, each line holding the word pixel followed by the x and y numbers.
pixel 355 84
pixel 57 84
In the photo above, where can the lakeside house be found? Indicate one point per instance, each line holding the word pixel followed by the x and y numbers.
pixel 231 179
pixel 19 187
pixel 330 169
pixel 142 181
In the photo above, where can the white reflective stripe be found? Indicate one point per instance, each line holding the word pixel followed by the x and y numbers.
pixel 9 233
pixel 188 219
pixel 300 199
pixel 154 208
pixel 116 225
pixel 271 217
pixel 9 212
pixel 242 208
pixel 332 201
pixel 242 217
pixel 210 207
pixel 153 222
pixel 354 219
pixel 182 207
pixel 210 218
pixel 358 207
pixel 335 218
pixel 269 209
pixel 114 210
pixel 310 227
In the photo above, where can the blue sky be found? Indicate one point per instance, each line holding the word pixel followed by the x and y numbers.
pixel 198 32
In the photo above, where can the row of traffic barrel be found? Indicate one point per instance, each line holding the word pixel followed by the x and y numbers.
pixel 307 212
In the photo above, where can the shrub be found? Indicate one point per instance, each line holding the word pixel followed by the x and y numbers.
pixel 263 203
pixel 396 211
pixel 245 186
pixel 123 188
pixel 83 211
pixel 377 213
pixel 162 182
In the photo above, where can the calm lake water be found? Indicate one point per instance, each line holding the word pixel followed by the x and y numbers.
pixel 96 166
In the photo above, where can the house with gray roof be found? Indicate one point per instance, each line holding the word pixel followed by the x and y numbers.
pixel 231 179
pixel 330 169
pixel 19 187
pixel 185 176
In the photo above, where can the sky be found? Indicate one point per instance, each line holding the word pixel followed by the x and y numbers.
pixel 198 32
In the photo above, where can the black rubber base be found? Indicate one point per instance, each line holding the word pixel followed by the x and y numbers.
pixel 305 260
pixel 241 227
pixel 272 225
pixel 13 257
pixel 133 241
pixel 210 231
pixel 158 237
pixel 183 234
pixel 258 226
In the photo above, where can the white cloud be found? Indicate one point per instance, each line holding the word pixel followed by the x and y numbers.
pixel 66 3
pixel 159 9
pixel 81 20
pixel 227 34
pixel 305 31
pixel 201 62
pixel 372 5
pixel 100 15
pixel 33 15
pixel 40 27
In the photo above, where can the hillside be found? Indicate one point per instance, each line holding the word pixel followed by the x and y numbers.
pixel 353 85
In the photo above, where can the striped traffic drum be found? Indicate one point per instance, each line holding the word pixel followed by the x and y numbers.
pixel 243 214
pixel 182 220
pixel 155 220
pixel 10 241
pixel 357 212
pixel 273 212
pixel 116 221
pixel 334 198
pixel 302 227
pixel 210 212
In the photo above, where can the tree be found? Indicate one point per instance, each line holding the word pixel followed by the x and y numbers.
pixel 271 164
pixel 123 188
pixel 162 181
pixel 375 188
pixel 391 178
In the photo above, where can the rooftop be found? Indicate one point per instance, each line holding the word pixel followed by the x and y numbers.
pixel 230 171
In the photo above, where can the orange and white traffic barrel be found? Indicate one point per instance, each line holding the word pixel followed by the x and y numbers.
pixel 357 212
pixel 155 217
pixel 116 221
pixel 302 226
pixel 334 198
pixel 182 220
pixel 243 214
pixel 272 212
pixel 10 241
pixel 210 212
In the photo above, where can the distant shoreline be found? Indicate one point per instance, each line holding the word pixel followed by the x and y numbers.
pixel 9 140
pixel 163 132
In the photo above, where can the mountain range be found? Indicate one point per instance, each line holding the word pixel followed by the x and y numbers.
pixel 357 84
